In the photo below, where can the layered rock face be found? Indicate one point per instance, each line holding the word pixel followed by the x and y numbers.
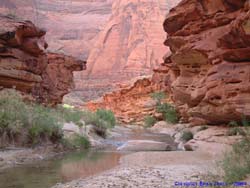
pixel 130 45
pixel 26 66
pixel 132 102
pixel 210 63
pixel 207 74
pixel 71 25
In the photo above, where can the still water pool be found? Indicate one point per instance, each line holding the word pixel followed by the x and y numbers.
pixel 45 174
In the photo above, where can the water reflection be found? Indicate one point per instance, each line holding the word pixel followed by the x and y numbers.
pixel 97 163
pixel 47 173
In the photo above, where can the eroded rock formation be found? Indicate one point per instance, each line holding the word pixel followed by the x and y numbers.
pixel 207 73
pixel 131 45
pixel 26 66
pixel 132 102
pixel 210 62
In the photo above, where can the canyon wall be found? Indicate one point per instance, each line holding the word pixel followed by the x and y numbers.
pixel 207 73
pixel 25 65
pixel 130 45
pixel 71 25
pixel 210 61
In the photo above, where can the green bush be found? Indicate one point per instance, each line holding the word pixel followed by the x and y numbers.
pixel 77 142
pixel 149 121
pixel 169 112
pixel 187 135
pixel 70 115
pixel 158 96
pixel 101 120
pixel 107 116
pixel 80 142
pixel 39 124
pixel 236 164
pixel 18 117
pixel 13 111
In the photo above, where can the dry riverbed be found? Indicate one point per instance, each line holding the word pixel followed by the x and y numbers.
pixel 151 169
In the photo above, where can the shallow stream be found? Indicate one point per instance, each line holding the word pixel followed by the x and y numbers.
pixel 45 174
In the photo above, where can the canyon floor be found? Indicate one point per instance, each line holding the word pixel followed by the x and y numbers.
pixel 152 169
pixel 162 169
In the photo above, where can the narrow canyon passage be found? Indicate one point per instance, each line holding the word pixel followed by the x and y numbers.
pixel 124 93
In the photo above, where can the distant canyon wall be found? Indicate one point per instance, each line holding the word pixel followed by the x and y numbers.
pixel 130 45
pixel 71 25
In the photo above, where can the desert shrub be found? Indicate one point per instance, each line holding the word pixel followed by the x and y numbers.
pixel 37 121
pixel 169 112
pixel 44 124
pixel 13 111
pixel 80 142
pixel 158 96
pixel 77 142
pixel 40 124
pixel 187 135
pixel 236 164
pixel 149 121
pixel 70 115
pixel 107 116
pixel 102 120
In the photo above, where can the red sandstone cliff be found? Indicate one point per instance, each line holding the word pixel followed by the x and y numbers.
pixel 208 72
pixel 209 41
pixel 26 66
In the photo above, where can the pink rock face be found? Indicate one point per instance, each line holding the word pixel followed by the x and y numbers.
pixel 130 45
pixel 210 58
pixel 71 25
pixel 131 41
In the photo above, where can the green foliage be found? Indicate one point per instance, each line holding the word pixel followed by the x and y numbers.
pixel 80 142
pixel 158 96
pixel 18 117
pixel 236 164
pixel 41 124
pixel 77 142
pixel 169 112
pixel 70 115
pixel 187 135
pixel 13 111
pixel 107 116
pixel 149 121
pixel 101 119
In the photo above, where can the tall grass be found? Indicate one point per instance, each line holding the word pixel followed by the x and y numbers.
pixel 236 164
pixel 40 124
